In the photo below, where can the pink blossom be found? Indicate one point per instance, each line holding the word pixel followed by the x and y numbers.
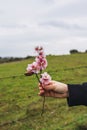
pixel 41 58
pixel 39 64
pixel 34 67
pixel 41 53
pixel 45 78
pixel 38 49
pixel 42 62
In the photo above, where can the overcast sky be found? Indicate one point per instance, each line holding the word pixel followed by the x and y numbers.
pixel 57 25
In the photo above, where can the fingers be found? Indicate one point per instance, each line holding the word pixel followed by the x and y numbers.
pixel 50 86
pixel 46 90
pixel 53 94
pixel 41 93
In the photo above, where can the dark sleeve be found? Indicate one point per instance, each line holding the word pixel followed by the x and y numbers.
pixel 77 94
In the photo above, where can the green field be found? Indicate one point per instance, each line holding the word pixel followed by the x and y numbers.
pixel 20 105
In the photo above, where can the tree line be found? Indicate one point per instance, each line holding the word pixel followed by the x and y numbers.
pixel 11 59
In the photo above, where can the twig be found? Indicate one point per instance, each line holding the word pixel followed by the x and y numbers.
pixel 43 107
pixel 43 97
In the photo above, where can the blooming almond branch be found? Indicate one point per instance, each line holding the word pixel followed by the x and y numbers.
pixel 37 67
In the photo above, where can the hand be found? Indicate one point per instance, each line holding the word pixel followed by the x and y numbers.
pixel 54 89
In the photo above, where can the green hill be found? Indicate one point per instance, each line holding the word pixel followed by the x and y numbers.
pixel 20 105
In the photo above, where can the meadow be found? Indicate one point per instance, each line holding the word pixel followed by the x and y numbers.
pixel 20 105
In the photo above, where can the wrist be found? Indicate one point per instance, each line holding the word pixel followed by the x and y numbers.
pixel 62 89
pixel 66 90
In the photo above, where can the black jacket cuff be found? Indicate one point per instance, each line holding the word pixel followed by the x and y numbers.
pixel 77 94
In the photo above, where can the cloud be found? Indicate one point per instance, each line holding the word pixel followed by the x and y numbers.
pixel 1 11
pixel 57 25
pixel 72 8
pixel 46 1
pixel 62 24
pixel 12 25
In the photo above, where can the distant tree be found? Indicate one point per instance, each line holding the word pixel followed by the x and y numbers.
pixel 85 51
pixel 73 51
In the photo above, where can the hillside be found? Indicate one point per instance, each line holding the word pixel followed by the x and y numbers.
pixel 20 105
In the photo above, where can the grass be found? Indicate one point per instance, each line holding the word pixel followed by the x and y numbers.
pixel 20 105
